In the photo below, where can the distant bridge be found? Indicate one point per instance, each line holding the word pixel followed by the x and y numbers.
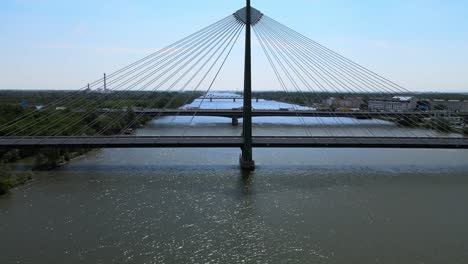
pixel 220 97
pixel 232 142
pixel 238 113
pixel 235 114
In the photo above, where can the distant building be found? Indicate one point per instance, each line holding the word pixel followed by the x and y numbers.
pixel 60 108
pixel 103 90
pixel 423 105
pixel 394 104
pixel 348 102
pixel 450 105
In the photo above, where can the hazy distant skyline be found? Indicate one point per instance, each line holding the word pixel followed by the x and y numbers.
pixel 51 44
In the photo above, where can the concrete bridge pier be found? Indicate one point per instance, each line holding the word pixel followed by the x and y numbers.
pixel 246 164
pixel 234 100
pixel 235 121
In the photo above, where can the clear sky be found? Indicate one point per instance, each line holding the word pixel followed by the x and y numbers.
pixel 63 44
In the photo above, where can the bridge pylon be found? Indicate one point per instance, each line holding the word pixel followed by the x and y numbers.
pixel 246 159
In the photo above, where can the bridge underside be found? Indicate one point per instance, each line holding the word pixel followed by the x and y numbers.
pixel 233 142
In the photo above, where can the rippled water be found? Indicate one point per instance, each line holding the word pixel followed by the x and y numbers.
pixel 196 206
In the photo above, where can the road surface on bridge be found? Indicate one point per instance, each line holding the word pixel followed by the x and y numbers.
pixel 285 113
pixel 233 142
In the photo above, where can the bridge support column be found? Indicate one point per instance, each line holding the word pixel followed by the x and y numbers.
pixel 257 99
pixel 247 165
pixel 234 100
pixel 211 99
pixel 235 121
pixel 246 160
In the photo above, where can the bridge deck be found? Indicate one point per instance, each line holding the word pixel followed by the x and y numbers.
pixel 262 112
pixel 234 142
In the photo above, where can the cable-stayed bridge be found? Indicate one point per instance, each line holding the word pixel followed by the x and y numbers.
pixel 195 63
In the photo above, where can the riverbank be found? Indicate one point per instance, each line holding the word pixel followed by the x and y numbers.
pixel 10 179
pixel 22 171
pixel 11 182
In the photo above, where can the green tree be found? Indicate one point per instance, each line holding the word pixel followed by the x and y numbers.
pixel 3 188
pixel 47 159
pixel 11 156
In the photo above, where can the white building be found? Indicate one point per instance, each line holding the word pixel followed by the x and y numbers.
pixel 394 104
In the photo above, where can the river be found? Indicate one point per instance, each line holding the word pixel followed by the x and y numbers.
pixel 196 206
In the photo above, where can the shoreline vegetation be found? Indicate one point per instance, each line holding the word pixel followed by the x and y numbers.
pixel 9 179
pixel 65 120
